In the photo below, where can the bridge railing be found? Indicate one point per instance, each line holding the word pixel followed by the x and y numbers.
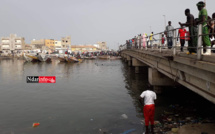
pixel 142 42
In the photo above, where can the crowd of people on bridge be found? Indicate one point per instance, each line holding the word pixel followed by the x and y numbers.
pixel 190 35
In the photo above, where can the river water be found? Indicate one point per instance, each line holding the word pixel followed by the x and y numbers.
pixel 87 98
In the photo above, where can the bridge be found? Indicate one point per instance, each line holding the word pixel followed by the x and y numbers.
pixel 166 69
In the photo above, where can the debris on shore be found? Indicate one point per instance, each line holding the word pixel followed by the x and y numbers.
pixel 177 116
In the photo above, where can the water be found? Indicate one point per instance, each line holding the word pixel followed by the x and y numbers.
pixel 87 98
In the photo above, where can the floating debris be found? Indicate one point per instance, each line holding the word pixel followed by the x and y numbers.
pixel 128 131
pixel 124 116
pixel 36 124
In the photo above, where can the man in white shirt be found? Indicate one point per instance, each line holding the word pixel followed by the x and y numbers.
pixel 169 34
pixel 149 107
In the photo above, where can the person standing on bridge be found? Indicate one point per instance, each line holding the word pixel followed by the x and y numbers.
pixel 149 107
pixel 212 30
pixel 203 18
pixel 182 31
pixel 151 38
pixel 169 34
pixel 130 41
pixel 192 42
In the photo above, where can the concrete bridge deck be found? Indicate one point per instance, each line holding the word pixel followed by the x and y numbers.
pixel 167 70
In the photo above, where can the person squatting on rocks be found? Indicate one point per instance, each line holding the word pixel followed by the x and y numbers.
pixel 149 108
pixel 169 34
pixel 203 17
pixel 192 42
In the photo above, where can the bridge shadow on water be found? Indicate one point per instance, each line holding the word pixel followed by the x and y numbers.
pixel 177 100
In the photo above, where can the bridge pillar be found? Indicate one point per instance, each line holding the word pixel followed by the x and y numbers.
pixel 137 64
pixel 129 60
pixel 137 70
pixel 124 57
pixel 158 79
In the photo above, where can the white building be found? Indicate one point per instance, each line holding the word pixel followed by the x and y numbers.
pixel 12 43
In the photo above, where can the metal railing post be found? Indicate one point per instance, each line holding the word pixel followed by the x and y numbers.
pixel 160 42
pixel 199 45
pixel 174 42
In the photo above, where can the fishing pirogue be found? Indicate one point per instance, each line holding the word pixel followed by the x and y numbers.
pixel 104 57
pixel 69 59
pixel 44 57
pixel 62 58
pixel 37 57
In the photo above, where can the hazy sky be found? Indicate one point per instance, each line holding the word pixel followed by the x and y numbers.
pixel 89 21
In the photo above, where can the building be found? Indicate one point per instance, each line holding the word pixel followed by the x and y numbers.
pixel 96 45
pixel 58 45
pixel 43 45
pixel 84 48
pixel 38 44
pixel 66 43
pixel 50 44
pixel 28 47
pixel 12 43
pixel 102 45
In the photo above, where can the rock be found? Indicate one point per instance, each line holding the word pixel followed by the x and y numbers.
pixel 156 122
pixel 169 119
pixel 188 118
pixel 174 130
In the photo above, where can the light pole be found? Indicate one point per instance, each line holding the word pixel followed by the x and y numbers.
pixel 164 21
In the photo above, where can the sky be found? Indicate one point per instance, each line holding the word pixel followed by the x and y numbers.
pixel 90 21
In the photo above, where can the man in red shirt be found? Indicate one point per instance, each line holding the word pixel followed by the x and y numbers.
pixel 162 41
pixel 182 31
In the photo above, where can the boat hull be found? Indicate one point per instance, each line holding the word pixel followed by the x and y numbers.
pixel 28 59
pixel 71 59
pixel 62 59
pixel 34 58
pixel 44 58
pixel 104 57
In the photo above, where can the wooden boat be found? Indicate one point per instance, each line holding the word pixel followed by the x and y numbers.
pixel 34 58
pixel 62 58
pixel 104 57
pixel 44 57
pixel 71 59
pixel 80 60
pixel 115 57
pixel 90 58
pixel 28 59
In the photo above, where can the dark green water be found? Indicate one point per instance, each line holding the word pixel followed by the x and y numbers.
pixel 87 98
